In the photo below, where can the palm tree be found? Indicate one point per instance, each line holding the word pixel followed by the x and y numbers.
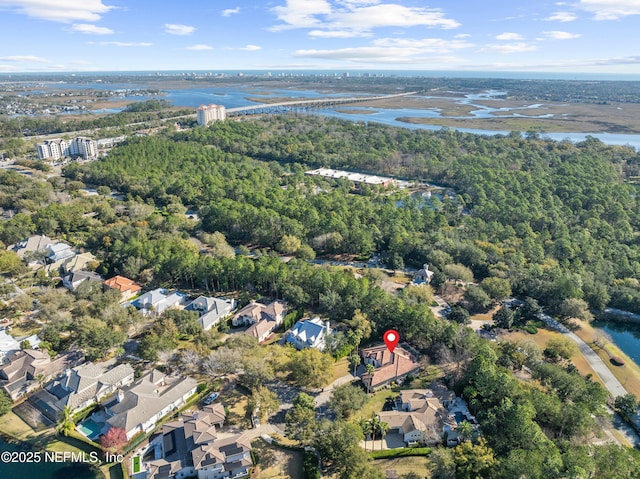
pixel 354 360
pixel 370 369
pixel 365 425
pixel 465 430
pixel 374 424
pixel 383 428
pixel 66 424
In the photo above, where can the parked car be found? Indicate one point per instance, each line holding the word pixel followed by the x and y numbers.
pixel 211 397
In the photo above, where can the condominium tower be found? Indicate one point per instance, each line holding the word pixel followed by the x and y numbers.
pixel 210 113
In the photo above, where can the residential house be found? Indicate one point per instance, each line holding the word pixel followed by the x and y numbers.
pixel 423 276
pixel 158 301
pixel 79 262
pixel 31 245
pixel 8 344
pixel 28 369
pixel 127 287
pixel 420 418
pixel 138 407
pixel 82 386
pixel 60 251
pixel 190 447
pixel 262 318
pixel 211 310
pixel 72 280
pixel 309 334
pixel 389 366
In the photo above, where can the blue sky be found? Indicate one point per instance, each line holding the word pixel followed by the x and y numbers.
pixel 343 35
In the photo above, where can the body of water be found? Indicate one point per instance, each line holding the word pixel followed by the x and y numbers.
pixel 42 469
pixel 624 335
pixel 234 97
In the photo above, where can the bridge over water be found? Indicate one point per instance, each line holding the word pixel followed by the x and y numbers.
pixel 304 104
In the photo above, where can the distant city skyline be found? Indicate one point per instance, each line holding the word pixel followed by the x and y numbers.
pixel 590 36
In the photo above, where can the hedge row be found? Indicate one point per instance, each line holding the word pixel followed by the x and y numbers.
pixel 401 452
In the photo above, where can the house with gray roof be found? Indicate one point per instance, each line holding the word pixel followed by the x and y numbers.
pixel 138 407
pixel 58 252
pixel 8 344
pixel 159 300
pixel 83 386
pixel 28 369
pixel 212 310
pixel 31 244
pixel 309 334
pixel 72 280
pixel 192 447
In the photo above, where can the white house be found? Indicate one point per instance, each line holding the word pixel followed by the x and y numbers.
pixel 159 300
pixel 309 334
pixel 8 344
pixel 211 310
pixel 138 407
pixel 72 280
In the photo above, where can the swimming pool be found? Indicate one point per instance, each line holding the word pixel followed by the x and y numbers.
pixel 90 428
pixel 460 417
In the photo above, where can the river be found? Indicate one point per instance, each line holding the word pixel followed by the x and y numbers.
pixel 236 96
pixel 42 469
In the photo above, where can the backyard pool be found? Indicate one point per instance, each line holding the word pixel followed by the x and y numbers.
pixel 90 428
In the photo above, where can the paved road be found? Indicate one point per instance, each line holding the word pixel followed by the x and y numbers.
pixel 325 395
pixel 610 381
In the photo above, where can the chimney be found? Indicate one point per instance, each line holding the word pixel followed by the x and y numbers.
pixel 327 325
pixel 119 396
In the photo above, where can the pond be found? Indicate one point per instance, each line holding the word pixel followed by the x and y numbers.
pixel 43 469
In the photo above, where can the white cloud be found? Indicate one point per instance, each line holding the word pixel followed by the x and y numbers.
pixel 562 17
pixel 508 48
pixel 300 13
pixel 610 9
pixel 376 55
pixel 391 15
pixel 60 10
pixel 394 50
pixel 556 35
pixel 428 45
pixel 338 33
pixel 358 17
pixel 246 48
pixel 230 11
pixel 507 36
pixel 122 44
pixel 178 29
pixel 462 35
pixel 24 58
pixel 91 29
pixel 8 68
pixel 251 48
pixel 200 47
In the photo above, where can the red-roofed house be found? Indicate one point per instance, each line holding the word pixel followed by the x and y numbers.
pixel 389 366
pixel 127 287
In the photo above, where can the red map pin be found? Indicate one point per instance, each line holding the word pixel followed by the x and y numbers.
pixel 391 339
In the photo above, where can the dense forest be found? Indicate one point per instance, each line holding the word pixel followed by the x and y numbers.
pixel 551 221
pixel 556 220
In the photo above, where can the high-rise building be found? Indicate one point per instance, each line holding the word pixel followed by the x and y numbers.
pixel 209 113
pixel 59 148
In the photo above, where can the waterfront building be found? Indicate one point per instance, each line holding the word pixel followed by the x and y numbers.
pixel 209 113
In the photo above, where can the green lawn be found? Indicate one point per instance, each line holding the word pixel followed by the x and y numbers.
pixel 376 401
pixel 404 465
